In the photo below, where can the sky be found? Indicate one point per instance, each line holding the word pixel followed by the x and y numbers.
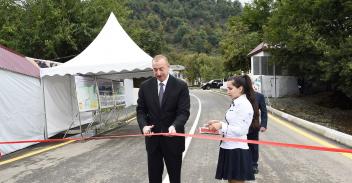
pixel 245 1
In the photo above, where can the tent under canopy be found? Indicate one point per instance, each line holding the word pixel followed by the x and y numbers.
pixel 21 102
pixel 112 52
pixel 15 62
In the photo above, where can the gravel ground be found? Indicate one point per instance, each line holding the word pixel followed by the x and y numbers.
pixel 308 108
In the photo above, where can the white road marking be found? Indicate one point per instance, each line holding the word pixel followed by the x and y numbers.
pixel 189 139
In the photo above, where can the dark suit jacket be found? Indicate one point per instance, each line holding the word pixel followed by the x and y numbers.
pixel 174 111
pixel 262 107
pixel 260 101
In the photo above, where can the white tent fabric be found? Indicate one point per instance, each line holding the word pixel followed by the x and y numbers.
pixel 112 55
pixel 61 105
pixel 21 110
pixel 112 51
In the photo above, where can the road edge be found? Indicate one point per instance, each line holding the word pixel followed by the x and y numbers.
pixel 332 134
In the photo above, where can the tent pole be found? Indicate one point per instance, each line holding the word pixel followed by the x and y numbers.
pixel 73 113
pixel 115 110
pixel 79 113
pixel 97 89
pixel 45 119
pixel 275 79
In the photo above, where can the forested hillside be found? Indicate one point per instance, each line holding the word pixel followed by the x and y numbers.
pixel 58 30
pixel 187 31
pixel 183 25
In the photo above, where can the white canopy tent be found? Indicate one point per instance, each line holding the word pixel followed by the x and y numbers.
pixel 112 55
pixel 112 51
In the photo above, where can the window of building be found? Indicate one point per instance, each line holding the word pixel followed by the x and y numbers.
pixel 256 66
pixel 263 66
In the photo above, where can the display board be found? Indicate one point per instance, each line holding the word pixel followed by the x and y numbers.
pixel 106 96
pixel 86 93
pixel 111 93
pixel 119 92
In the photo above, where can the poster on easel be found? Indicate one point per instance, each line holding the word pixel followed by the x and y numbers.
pixel 257 84
pixel 86 93
pixel 119 93
pixel 106 96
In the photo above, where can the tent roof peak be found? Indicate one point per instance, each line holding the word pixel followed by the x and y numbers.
pixel 111 51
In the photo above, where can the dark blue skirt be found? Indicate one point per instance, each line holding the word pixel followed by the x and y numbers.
pixel 234 164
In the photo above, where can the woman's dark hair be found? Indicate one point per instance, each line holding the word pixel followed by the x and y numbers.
pixel 246 83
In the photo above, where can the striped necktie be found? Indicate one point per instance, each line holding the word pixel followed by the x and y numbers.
pixel 161 92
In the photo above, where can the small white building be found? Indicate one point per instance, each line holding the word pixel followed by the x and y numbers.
pixel 268 78
pixel 176 70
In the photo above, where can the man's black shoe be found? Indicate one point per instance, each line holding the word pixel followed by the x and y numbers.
pixel 255 170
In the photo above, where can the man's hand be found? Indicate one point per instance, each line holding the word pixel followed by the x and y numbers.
pixel 172 129
pixel 147 130
pixel 262 129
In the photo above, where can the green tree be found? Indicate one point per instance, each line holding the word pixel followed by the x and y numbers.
pixel 52 29
pixel 314 38
pixel 256 14
pixel 150 42
pixel 211 67
pixel 11 23
pixel 180 32
pixel 237 43
pixel 192 67
pixel 244 32
pixel 201 67
pixel 184 22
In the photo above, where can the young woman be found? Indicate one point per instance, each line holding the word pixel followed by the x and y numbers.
pixel 234 163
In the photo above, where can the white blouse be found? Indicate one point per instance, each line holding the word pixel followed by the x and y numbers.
pixel 239 117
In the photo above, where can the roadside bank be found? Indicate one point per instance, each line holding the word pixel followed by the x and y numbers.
pixel 340 137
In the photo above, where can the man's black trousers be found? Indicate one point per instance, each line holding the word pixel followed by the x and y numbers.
pixel 254 148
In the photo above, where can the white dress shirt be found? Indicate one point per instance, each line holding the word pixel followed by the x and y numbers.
pixel 239 117
pixel 164 82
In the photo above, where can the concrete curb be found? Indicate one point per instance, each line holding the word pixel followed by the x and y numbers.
pixel 337 136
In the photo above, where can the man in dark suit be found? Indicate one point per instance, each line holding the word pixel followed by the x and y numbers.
pixel 253 133
pixel 163 107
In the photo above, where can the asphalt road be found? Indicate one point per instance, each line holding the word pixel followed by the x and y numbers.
pixel 124 160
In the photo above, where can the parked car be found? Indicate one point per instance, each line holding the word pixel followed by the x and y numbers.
pixel 215 83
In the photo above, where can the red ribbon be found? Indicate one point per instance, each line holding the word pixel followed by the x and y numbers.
pixel 206 137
